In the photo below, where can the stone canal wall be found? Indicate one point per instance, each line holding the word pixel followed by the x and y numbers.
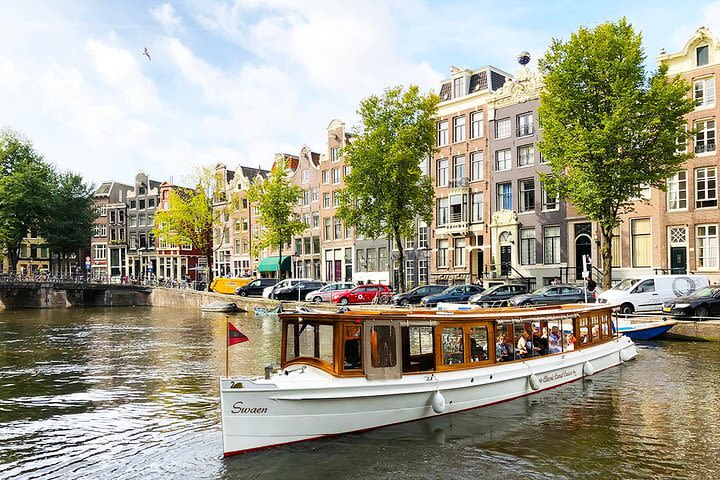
pixel 706 330
pixel 175 298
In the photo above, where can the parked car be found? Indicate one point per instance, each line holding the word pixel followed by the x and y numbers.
pixel 414 296
pixel 298 291
pixel 360 294
pixel 498 295
pixel 325 293
pixel 552 295
pixel 642 294
pixel 703 302
pixel 228 285
pixel 453 294
pixel 256 287
pixel 268 292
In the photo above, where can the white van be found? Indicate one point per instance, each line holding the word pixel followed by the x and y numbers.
pixel 643 294
pixel 288 282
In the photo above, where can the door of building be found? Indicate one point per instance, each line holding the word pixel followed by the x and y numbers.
pixel 505 259
pixel 678 260
pixel 583 246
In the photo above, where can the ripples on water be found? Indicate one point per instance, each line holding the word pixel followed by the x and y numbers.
pixel 128 393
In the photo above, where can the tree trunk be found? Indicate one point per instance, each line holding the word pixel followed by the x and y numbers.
pixel 606 252
pixel 280 264
pixel 401 262
pixel 13 252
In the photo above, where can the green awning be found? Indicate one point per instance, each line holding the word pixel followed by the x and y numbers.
pixel 270 264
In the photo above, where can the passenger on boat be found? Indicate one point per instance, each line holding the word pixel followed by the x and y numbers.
pixel 477 351
pixel 524 346
pixel 502 352
pixel 595 332
pixel 540 342
pixel 554 340
pixel 570 341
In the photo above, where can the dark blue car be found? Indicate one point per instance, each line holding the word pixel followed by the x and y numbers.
pixel 454 294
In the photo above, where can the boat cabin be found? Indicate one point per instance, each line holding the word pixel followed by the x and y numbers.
pixel 389 345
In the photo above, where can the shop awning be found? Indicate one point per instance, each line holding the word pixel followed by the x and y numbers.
pixel 270 264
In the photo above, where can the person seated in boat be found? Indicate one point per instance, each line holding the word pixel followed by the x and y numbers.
pixel 502 352
pixel 595 333
pixel 570 342
pixel 477 352
pixel 540 342
pixel 524 346
pixel 554 340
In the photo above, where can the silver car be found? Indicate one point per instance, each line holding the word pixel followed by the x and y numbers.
pixel 324 294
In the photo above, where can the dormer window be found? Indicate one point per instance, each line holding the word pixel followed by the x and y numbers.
pixel 458 87
pixel 702 55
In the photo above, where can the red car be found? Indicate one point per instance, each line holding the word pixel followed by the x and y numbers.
pixel 361 294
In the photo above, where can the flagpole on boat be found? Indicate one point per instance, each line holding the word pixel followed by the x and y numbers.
pixel 227 346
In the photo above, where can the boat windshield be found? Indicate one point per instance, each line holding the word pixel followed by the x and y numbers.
pixel 309 340
pixel 704 292
pixel 626 284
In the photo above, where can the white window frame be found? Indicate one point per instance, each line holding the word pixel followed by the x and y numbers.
pixel 677 192
pixel 554 240
pixel 443 133
pixel 704 91
pixel 459 127
pixel 477 158
pixel 522 207
pixel 705 138
pixel 506 161
pixel 712 246
pixel 476 124
pixel 503 128
pixel 442 172
pixel 706 193
pixel 526 159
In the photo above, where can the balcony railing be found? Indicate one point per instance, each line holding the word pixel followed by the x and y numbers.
pixel 457 218
pixel 459 182
pixel 704 147
pixel 523 130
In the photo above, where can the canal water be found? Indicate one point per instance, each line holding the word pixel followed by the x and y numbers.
pixel 132 393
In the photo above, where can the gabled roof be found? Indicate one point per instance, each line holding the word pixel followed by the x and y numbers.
pixel 250 173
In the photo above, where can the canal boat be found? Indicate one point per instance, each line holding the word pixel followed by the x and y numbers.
pixel 647 330
pixel 220 307
pixel 360 370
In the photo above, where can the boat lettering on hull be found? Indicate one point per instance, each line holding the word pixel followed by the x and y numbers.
pixel 558 376
pixel 239 408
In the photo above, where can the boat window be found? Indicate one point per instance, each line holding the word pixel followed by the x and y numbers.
pixel 605 326
pixel 478 344
pixel 584 331
pixel 352 358
pixel 418 349
pixel 595 331
pixel 309 340
pixel 453 346
pixel 421 340
pixel 503 344
pixel 382 346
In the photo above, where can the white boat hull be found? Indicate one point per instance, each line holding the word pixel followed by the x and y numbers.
pixel 309 404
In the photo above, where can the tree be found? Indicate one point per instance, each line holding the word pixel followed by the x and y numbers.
pixel 26 185
pixel 275 197
pixel 68 234
pixel 192 212
pixel 386 190
pixel 609 130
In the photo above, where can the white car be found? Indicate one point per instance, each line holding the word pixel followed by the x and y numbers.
pixel 325 293
pixel 288 282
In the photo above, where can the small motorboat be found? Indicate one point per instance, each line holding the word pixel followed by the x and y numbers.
pixel 647 330
pixel 264 312
pixel 221 307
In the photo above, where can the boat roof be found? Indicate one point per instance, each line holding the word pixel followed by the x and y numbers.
pixel 499 315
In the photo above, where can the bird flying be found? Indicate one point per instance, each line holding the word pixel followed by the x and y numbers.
pixel 147 54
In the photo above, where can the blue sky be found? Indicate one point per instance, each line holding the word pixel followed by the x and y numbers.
pixel 236 82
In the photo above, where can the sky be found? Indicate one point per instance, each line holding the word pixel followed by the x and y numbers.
pixel 235 82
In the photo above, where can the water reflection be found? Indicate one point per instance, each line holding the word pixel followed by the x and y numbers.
pixel 124 393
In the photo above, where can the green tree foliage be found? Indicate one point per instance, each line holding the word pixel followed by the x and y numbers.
pixel 386 190
pixel 192 212
pixel 608 128
pixel 26 187
pixel 68 226
pixel 275 198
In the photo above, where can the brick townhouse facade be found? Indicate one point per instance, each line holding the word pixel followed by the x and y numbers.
pixel 142 201
pixel 460 241
pixel 234 236
pixel 109 243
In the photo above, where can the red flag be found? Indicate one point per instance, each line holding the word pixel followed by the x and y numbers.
pixel 235 335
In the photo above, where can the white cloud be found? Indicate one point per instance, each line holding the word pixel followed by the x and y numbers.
pixel 166 16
